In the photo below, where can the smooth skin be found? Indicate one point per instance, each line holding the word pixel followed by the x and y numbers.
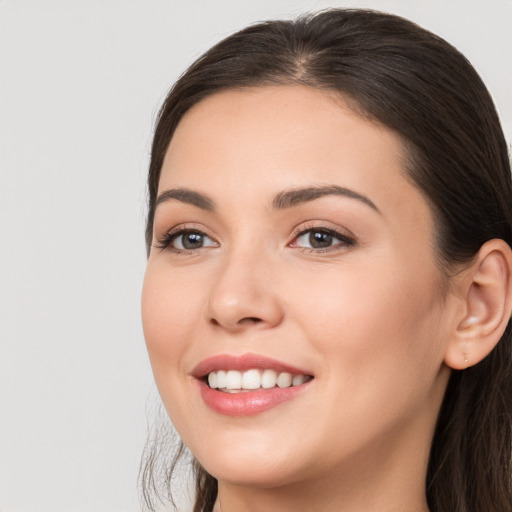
pixel 367 310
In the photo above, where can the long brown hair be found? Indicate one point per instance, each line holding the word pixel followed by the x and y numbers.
pixel 417 84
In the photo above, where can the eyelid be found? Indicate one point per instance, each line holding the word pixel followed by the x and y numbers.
pixel 303 227
pixel 346 237
pixel 164 241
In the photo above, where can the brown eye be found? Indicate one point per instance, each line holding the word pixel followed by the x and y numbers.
pixel 322 239
pixel 185 240
pixel 189 241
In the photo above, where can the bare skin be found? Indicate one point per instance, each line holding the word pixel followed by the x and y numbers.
pixel 365 310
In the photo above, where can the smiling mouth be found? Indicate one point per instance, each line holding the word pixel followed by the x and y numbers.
pixel 233 381
pixel 248 384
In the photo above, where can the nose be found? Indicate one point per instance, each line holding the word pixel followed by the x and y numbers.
pixel 244 295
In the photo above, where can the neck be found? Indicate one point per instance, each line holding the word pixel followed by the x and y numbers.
pixel 326 496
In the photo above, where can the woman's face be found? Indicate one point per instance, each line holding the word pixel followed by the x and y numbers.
pixel 288 240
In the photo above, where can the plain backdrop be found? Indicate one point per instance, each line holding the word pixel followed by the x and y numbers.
pixel 80 84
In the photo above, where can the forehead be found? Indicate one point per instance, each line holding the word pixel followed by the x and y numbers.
pixel 284 136
pixel 284 116
pixel 267 126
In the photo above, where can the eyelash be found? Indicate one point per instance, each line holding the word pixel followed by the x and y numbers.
pixel 344 240
pixel 165 241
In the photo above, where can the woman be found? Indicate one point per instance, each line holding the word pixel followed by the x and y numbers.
pixel 327 297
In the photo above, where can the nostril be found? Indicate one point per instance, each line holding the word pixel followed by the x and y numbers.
pixel 237 324
pixel 243 322
pixel 250 319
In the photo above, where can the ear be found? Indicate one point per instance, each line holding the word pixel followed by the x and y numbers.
pixel 486 291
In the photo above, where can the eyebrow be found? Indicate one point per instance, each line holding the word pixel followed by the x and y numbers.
pixel 294 197
pixel 283 200
pixel 186 196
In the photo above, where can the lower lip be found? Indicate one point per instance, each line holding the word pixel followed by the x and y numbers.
pixel 247 403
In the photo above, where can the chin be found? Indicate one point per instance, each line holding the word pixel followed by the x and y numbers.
pixel 250 460
pixel 261 473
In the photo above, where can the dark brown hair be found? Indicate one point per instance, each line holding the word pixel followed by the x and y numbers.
pixel 417 84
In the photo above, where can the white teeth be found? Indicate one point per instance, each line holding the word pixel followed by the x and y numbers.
pixel 234 381
pixel 212 380
pixel 284 380
pixel 251 379
pixel 221 379
pixel 297 380
pixel 268 379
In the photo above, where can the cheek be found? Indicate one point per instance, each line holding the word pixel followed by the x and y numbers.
pixel 373 320
pixel 169 309
pixel 377 339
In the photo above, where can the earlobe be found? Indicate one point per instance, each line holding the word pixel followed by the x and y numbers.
pixel 487 291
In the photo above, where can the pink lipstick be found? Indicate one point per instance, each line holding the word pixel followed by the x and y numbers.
pixel 248 384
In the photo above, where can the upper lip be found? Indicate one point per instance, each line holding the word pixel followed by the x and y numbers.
pixel 242 363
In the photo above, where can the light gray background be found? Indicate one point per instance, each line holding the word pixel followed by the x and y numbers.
pixel 80 82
